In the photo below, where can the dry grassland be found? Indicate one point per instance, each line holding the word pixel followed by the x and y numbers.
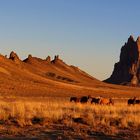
pixel 83 119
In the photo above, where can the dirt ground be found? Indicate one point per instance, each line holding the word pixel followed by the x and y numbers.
pixel 62 132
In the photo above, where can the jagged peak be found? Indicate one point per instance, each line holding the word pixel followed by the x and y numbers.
pixel 56 59
pixel 127 69
pixel 131 39
pixel 13 56
pixel 131 36
pixel 29 56
pixel 48 59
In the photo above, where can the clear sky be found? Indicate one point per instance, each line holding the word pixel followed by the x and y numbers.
pixel 85 33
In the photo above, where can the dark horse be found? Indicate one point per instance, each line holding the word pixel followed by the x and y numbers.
pixel 74 99
pixel 111 101
pixel 95 100
pixel 137 102
pixel 132 101
pixel 84 99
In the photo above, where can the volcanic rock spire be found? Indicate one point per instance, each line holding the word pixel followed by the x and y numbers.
pixel 48 59
pixel 13 56
pixel 127 70
pixel 56 59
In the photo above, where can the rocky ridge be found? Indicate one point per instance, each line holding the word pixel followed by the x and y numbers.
pixel 55 70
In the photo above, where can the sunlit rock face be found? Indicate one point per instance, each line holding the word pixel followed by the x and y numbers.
pixel 48 59
pixel 13 56
pixel 127 70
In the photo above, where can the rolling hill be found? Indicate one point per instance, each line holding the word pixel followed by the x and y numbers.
pixel 36 77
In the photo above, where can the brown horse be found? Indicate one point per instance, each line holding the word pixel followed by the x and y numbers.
pixel 105 101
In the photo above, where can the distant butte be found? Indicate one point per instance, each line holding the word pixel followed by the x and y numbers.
pixel 127 70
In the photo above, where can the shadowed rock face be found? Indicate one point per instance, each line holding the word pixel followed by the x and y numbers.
pixel 127 70
pixel 56 59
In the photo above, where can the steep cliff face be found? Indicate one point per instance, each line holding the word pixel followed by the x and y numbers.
pixel 127 70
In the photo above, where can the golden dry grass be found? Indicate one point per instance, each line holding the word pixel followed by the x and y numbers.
pixel 29 112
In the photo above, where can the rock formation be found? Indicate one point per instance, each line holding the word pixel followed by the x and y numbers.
pixel 13 56
pixel 56 59
pixel 48 59
pixel 31 59
pixel 127 70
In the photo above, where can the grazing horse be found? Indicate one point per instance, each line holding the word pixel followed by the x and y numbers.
pixel 95 100
pixel 84 99
pixel 137 102
pixel 105 101
pixel 111 101
pixel 131 101
pixel 74 99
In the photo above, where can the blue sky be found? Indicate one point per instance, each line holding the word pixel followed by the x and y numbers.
pixel 85 33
